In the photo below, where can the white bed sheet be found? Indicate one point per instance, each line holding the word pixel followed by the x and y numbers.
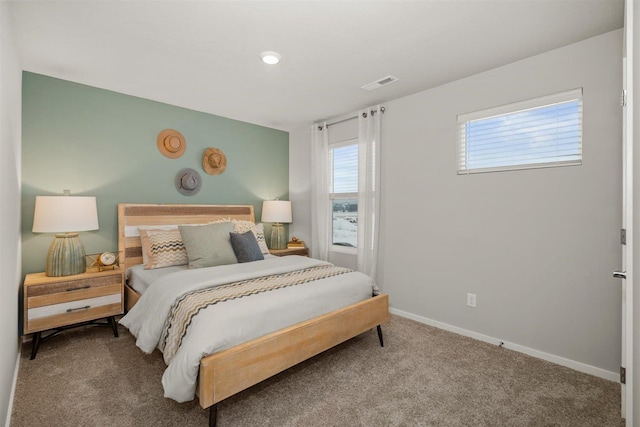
pixel 225 325
pixel 139 278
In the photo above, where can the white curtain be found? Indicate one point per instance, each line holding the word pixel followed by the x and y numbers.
pixel 320 191
pixel 368 189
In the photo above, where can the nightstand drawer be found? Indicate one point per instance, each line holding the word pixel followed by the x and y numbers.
pixel 68 295
pixel 73 306
pixel 43 318
pixel 64 286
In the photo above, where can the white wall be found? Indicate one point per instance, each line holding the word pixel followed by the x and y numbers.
pixel 10 131
pixel 300 183
pixel 537 247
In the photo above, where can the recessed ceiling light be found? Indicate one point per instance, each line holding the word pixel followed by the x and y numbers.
pixel 270 57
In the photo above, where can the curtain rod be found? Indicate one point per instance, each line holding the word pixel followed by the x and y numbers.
pixel 382 110
pixel 342 121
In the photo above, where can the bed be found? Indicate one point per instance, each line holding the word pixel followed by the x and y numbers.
pixel 244 364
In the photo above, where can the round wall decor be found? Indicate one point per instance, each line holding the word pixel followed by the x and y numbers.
pixel 171 143
pixel 214 162
pixel 188 182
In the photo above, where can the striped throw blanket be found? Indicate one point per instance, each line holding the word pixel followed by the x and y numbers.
pixel 188 305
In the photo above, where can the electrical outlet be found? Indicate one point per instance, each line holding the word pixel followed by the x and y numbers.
pixel 471 300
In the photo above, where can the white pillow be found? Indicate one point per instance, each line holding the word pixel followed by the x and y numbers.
pixel 240 226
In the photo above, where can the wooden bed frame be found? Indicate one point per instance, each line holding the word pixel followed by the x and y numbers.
pixel 230 371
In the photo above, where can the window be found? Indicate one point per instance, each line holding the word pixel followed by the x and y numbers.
pixel 541 132
pixel 343 192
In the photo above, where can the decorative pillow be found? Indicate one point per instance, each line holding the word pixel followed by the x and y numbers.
pixel 240 226
pixel 138 231
pixel 246 247
pixel 259 232
pixel 218 221
pixel 162 248
pixel 208 245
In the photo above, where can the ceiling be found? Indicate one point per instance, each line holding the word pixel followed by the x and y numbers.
pixel 204 55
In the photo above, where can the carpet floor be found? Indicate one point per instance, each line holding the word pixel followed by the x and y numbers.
pixel 423 376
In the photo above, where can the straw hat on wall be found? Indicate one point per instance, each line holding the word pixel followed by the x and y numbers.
pixel 214 162
pixel 171 143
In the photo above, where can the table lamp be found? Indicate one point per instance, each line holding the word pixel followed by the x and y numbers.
pixel 277 212
pixel 66 215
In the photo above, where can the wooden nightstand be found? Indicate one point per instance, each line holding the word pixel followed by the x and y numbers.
pixel 290 251
pixel 63 302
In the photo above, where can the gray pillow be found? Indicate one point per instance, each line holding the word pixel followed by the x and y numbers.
pixel 208 245
pixel 246 247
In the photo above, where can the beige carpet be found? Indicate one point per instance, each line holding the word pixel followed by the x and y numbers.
pixel 423 377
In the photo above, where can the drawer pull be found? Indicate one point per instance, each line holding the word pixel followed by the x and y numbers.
pixel 79 308
pixel 75 289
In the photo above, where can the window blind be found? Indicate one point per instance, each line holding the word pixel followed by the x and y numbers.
pixel 344 169
pixel 541 132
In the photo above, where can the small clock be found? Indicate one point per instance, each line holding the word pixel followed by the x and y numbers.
pixel 106 259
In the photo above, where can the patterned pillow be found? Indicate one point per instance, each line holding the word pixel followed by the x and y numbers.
pixel 240 226
pixel 260 238
pixel 145 258
pixel 163 248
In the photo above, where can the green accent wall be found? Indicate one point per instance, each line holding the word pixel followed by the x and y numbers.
pixel 95 142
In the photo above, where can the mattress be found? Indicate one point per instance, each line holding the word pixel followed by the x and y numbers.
pixel 139 279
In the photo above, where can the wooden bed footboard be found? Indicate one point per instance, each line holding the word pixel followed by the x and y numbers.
pixel 230 371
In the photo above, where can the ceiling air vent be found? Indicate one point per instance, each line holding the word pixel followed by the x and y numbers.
pixel 379 83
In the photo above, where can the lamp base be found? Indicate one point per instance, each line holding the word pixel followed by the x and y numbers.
pixel 66 256
pixel 278 236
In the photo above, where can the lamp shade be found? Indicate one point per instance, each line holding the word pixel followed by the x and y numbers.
pixel 276 211
pixel 58 214
pixel 68 215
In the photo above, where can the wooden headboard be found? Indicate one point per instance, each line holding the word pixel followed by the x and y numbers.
pixel 131 216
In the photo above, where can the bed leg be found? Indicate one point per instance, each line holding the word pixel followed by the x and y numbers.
pixel 380 335
pixel 213 415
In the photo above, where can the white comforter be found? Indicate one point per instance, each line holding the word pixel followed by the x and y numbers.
pixel 227 324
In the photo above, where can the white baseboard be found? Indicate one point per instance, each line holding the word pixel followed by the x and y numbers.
pixel 7 422
pixel 578 366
